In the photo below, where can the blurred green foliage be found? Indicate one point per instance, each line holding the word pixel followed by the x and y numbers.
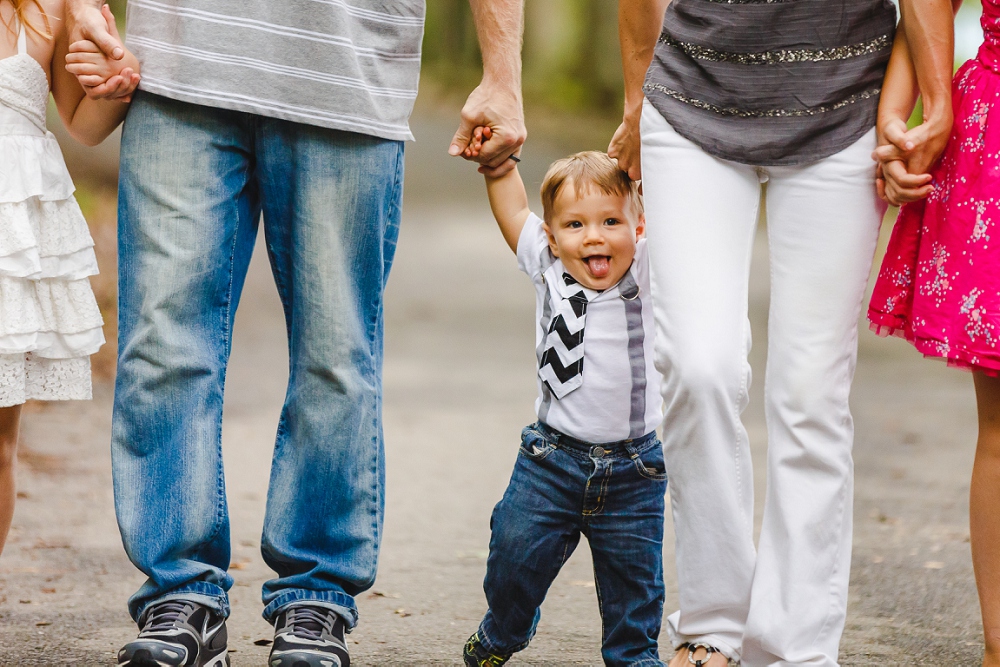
pixel 571 59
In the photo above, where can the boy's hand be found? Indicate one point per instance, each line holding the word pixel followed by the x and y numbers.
pixel 481 135
pixel 95 70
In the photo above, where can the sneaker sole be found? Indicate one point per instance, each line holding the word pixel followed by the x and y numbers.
pixel 218 661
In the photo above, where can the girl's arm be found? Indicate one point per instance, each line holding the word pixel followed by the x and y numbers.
pixel 639 26
pixel 88 121
pixel 929 27
pixel 905 155
pixel 509 202
pixel 899 95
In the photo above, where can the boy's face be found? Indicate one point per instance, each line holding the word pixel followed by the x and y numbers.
pixel 594 234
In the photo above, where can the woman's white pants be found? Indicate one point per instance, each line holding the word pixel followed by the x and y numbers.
pixel 785 602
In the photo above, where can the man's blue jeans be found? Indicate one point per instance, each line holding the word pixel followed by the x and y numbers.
pixel 613 493
pixel 194 181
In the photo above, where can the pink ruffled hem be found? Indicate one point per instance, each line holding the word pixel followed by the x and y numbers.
pixel 884 325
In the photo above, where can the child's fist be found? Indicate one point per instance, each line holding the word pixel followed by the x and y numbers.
pixel 480 135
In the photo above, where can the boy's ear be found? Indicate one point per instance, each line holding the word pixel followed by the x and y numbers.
pixel 640 227
pixel 552 239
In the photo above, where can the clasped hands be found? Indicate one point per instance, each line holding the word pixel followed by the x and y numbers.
pixel 905 157
pixel 95 54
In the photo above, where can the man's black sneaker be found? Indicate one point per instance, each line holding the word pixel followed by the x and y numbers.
pixel 476 655
pixel 178 633
pixel 308 635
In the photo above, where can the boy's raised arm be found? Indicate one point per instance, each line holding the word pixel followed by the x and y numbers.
pixel 509 202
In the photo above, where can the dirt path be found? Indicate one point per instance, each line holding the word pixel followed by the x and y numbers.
pixel 458 387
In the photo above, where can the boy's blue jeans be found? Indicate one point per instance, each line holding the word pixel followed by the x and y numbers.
pixel 613 493
pixel 194 181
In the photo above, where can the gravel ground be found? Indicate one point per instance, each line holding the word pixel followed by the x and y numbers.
pixel 458 387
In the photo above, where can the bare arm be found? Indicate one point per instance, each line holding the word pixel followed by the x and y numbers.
pixel 639 26
pixel 899 94
pixel 509 202
pixel 89 121
pixel 496 103
pixel 929 31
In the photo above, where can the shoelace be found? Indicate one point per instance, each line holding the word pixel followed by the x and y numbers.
pixel 310 622
pixel 166 614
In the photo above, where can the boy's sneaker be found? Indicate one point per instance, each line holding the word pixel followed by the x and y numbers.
pixel 476 655
pixel 308 635
pixel 178 633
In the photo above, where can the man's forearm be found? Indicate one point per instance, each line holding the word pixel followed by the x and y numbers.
pixel 639 26
pixel 930 34
pixel 499 25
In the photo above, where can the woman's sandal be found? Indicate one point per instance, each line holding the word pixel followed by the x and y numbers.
pixel 693 648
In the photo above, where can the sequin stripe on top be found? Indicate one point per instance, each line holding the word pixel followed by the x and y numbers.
pixel 803 89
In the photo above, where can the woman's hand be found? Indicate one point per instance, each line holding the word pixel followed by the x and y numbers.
pixel 626 147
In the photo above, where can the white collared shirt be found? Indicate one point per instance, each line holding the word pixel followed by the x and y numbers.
pixel 620 395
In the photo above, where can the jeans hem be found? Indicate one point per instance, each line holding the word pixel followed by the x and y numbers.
pixel 491 646
pixel 340 602
pixel 206 594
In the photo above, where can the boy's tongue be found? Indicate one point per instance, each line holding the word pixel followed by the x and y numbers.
pixel 598 265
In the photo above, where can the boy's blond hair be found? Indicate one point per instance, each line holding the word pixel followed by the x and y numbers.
pixel 586 170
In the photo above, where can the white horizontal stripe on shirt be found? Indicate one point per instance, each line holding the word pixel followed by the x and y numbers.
pixel 273 28
pixel 272 68
pixel 372 15
pixel 269 107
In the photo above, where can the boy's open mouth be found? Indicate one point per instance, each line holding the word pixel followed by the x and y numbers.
pixel 598 265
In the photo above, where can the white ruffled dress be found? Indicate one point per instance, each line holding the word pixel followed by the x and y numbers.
pixel 49 320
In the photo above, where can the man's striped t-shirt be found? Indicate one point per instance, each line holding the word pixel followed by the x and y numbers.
pixel 348 65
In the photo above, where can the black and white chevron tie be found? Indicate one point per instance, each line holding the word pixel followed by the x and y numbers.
pixel 561 367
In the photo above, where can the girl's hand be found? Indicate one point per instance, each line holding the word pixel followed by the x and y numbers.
pixel 626 148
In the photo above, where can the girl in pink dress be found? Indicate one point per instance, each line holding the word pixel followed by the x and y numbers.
pixel 939 286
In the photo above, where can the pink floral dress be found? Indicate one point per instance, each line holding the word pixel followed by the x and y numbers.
pixel 939 286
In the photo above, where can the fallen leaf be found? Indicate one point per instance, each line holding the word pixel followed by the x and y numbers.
pixel 240 564
pixel 25 601
pixel 402 613
pixel 380 594
pixel 42 624
pixel 48 590
pixel 262 642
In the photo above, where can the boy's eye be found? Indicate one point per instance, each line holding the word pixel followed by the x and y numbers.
pixel 612 221
pixel 574 224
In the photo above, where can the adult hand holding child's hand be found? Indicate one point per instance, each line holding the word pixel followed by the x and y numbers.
pixel 92 30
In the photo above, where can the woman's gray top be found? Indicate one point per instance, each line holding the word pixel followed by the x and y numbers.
pixel 771 82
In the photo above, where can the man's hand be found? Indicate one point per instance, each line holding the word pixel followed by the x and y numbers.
pixel 625 147
pixel 91 21
pixel 500 111
pixel 496 102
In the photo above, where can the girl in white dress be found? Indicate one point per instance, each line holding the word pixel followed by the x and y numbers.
pixel 49 320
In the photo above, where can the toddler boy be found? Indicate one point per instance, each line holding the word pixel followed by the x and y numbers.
pixel 592 463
